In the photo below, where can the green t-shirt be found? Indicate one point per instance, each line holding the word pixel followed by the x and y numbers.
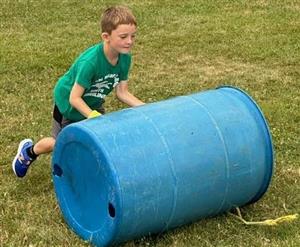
pixel 92 71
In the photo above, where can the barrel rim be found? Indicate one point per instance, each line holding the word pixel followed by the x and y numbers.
pixel 268 179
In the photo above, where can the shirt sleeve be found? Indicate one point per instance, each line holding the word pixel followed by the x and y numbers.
pixel 84 74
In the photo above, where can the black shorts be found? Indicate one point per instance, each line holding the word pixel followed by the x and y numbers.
pixel 59 121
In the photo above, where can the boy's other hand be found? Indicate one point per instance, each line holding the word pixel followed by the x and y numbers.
pixel 94 113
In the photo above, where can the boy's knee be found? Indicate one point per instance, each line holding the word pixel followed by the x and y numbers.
pixel 52 142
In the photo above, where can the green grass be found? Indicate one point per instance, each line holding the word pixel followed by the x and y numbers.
pixel 182 47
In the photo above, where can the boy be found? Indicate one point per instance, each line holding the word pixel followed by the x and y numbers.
pixel 80 92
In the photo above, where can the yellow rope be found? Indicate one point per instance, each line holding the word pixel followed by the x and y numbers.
pixel 269 222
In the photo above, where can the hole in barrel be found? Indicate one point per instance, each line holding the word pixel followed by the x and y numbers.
pixel 111 210
pixel 57 171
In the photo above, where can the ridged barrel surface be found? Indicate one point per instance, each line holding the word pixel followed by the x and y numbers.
pixel 148 169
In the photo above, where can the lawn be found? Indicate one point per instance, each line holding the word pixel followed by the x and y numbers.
pixel 182 47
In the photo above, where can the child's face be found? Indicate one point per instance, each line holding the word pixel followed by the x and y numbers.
pixel 122 38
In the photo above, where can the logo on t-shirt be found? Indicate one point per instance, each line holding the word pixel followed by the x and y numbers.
pixel 103 86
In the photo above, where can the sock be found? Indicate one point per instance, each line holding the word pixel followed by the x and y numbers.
pixel 31 153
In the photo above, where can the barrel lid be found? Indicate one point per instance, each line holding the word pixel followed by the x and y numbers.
pixel 85 185
pixel 268 138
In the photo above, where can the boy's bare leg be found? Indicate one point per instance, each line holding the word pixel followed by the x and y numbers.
pixel 45 145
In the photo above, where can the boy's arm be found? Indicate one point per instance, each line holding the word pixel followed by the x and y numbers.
pixel 77 102
pixel 125 96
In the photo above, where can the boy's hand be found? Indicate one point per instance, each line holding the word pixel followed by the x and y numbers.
pixel 94 113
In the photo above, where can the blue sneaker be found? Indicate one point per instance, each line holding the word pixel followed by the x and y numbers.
pixel 22 161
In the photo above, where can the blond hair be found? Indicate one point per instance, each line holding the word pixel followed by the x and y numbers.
pixel 112 17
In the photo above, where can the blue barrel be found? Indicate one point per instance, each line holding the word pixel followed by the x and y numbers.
pixel 151 168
